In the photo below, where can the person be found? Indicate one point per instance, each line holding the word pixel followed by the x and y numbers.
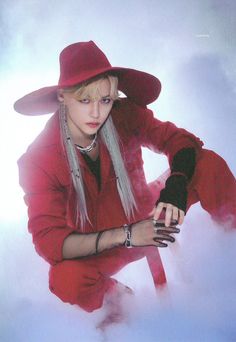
pixel 85 188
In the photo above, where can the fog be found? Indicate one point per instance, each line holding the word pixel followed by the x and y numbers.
pixel 190 46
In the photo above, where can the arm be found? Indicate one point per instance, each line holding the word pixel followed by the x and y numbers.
pixel 80 245
pixel 161 137
pixel 173 198
pixel 142 234
pixel 182 149
pixel 45 199
pixel 53 239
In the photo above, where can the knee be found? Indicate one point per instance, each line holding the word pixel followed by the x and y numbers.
pixel 211 169
pixel 209 161
pixel 74 283
pixel 212 176
pixel 214 185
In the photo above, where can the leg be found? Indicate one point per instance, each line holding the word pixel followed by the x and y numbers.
pixel 78 283
pixel 85 281
pixel 214 185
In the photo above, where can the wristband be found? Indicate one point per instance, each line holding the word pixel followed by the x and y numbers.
pixel 175 173
pixel 127 229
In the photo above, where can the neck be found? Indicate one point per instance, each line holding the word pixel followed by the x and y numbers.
pixel 88 148
pixel 84 141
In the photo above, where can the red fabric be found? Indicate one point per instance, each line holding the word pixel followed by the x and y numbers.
pixel 84 282
pixel 80 62
pixel 213 185
pixel 45 178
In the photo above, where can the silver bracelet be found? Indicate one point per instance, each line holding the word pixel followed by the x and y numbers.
pixel 127 229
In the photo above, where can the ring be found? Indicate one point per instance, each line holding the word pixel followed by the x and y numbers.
pixel 155 225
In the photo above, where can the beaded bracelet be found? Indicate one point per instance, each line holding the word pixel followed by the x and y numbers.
pixel 127 229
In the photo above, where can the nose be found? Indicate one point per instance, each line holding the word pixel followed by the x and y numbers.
pixel 95 111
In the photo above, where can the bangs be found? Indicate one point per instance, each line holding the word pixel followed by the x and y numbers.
pixel 91 90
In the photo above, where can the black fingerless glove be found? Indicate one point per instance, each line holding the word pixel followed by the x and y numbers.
pixel 175 192
pixel 182 170
pixel 184 161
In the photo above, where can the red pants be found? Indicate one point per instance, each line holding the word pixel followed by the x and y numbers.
pixel 85 281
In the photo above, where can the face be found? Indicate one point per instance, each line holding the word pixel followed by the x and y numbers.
pixel 86 115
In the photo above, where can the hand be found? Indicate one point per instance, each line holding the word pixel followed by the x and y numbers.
pixel 172 213
pixel 145 233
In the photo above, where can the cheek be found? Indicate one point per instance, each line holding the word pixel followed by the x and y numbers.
pixel 106 111
pixel 76 109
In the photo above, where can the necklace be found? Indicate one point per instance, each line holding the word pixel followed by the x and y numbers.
pixel 89 147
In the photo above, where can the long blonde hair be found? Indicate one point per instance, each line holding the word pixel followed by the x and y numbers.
pixel 110 138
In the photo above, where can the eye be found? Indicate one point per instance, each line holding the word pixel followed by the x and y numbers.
pixel 85 101
pixel 106 100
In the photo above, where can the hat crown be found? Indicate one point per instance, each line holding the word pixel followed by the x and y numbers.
pixel 79 59
pixel 81 62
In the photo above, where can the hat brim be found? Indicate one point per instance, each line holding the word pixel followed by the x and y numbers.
pixel 139 86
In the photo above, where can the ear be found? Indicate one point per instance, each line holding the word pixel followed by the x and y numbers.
pixel 60 95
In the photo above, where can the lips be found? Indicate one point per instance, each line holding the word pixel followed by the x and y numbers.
pixel 93 124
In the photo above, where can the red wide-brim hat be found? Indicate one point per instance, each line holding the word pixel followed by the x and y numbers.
pixel 81 62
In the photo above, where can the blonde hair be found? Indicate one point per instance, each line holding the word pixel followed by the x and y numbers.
pixel 110 138
pixel 91 88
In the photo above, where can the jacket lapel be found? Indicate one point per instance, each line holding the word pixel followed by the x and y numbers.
pixel 106 170
pixel 106 166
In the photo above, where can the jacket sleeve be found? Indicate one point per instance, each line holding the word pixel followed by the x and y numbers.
pixel 159 136
pixel 45 199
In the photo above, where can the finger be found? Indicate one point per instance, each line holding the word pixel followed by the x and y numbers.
pixel 174 230
pixel 173 223
pixel 158 210
pixel 161 223
pixel 168 216
pixel 160 244
pixel 181 216
pixel 165 237
pixel 175 214
pixel 167 230
pixel 151 214
pixel 158 223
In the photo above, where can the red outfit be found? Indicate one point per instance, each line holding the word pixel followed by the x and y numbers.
pixel 45 178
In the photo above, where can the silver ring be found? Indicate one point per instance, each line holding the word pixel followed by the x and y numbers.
pixel 155 226
pixel 156 229
pixel 154 222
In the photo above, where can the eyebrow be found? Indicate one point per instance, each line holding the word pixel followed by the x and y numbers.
pixel 87 96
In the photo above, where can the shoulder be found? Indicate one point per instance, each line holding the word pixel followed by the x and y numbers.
pixel 43 165
pixel 49 136
pixel 125 106
pixel 45 152
pixel 48 140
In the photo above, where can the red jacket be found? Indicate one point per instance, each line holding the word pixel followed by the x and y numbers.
pixel 49 195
